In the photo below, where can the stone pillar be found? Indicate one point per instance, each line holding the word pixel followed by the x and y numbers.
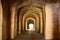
pixel 49 22
pixel 12 22
pixel 0 20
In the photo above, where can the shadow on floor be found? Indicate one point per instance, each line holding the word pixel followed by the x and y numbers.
pixel 29 36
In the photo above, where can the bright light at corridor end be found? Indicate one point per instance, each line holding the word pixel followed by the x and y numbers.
pixel 31 26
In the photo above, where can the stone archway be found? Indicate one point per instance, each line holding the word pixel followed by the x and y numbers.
pixel 30 14
pixel 15 10
pixel 30 21
pixel 26 6
pixel 29 11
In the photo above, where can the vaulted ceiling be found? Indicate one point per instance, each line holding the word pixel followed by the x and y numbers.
pixel 11 2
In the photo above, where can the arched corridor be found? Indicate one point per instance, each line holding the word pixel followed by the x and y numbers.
pixel 31 14
pixel 29 20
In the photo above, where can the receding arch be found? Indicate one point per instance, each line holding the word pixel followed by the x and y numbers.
pixel 28 19
pixel 37 6
pixel 38 12
pixel 29 14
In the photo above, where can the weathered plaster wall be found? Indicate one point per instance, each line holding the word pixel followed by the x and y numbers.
pixel 1 12
pixel 6 20
pixel 55 8
pixel 59 20
pixel 51 21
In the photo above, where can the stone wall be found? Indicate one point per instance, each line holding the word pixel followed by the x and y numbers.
pixel 59 21
pixel 52 27
pixel 6 20
pixel 0 20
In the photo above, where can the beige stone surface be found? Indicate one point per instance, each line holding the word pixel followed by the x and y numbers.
pixel 12 22
pixel 51 10
pixel 0 20
pixel 59 21
pixel 49 22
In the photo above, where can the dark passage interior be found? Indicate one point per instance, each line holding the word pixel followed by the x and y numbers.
pixel 30 25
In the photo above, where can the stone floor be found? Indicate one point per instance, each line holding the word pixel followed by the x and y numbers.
pixel 29 36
